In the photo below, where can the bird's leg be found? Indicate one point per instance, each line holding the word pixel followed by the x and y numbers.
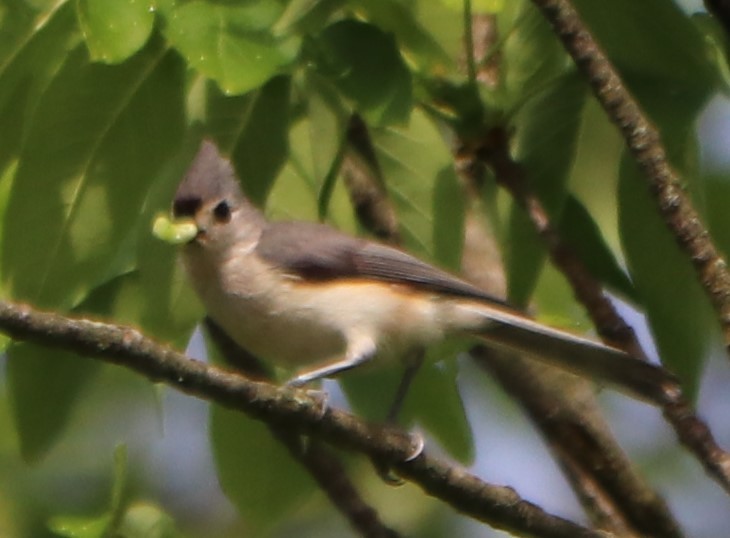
pixel 413 364
pixel 358 352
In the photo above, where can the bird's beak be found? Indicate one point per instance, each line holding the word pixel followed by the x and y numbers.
pixel 177 231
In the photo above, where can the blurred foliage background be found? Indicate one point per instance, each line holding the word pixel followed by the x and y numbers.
pixel 102 105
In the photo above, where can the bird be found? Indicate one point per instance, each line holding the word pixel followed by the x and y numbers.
pixel 316 300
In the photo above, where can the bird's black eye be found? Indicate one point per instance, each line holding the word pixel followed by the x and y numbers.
pixel 222 211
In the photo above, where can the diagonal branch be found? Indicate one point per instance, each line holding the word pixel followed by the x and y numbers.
pixel 690 429
pixel 498 506
pixel 644 141
pixel 563 408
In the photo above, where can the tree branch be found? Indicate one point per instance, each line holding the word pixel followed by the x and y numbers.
pixel 498 506
pixel 644 141
pixel 563 408
pixel 692 432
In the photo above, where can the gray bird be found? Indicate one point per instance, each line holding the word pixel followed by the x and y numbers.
pixel 304 295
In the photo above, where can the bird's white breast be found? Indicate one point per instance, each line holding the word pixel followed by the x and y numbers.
pixel 295 323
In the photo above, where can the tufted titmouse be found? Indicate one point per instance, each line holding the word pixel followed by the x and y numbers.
pixel 305 295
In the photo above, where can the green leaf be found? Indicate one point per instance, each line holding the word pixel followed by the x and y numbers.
pixel 117 127
pixel 547 128
pixel 80 527
pixel 32 47
pixel 532 57
pixel 681 319
pixel 418 167
pixel 148 520
pixel 402 20
pixel 115 29
pixel 255 471
pixel 364 63
pixel 44 386
pixel 297 189
pixel 140 519
pixel 254 130
pixel 449 211
pixel 584 236
pixel 481 6
pixel 231 43
pixel 306 16
pixel 649 40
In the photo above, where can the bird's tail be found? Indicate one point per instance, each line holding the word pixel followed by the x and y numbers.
pixel 514 332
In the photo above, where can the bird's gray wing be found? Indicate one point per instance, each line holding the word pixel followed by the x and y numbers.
pixel 317 252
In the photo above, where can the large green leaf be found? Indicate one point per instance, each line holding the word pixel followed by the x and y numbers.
pixel 45 384
pixel 230 43
pixel 254 129
pixel 531 56
pixel 365 64
pixel 651 39
pixel 99 137
pixel 543 101
pixel 418 169
pixel 83 231
pixel 32 47
pixel 681 319
pixel 583 235
pixel 678 310
pixel 547 128
pixel 256 472
pixel 401 19
pixel 115 29
pixel 298 187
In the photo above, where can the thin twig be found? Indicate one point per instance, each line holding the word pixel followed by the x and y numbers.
pixel 692 432
pixel 644 141
pixel 322 464
pixel 498 506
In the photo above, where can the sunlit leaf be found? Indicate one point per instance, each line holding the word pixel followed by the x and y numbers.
pixel 230 43
pixel 296 190
pixel 115 29
pixel 98 139
pixel 414 160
